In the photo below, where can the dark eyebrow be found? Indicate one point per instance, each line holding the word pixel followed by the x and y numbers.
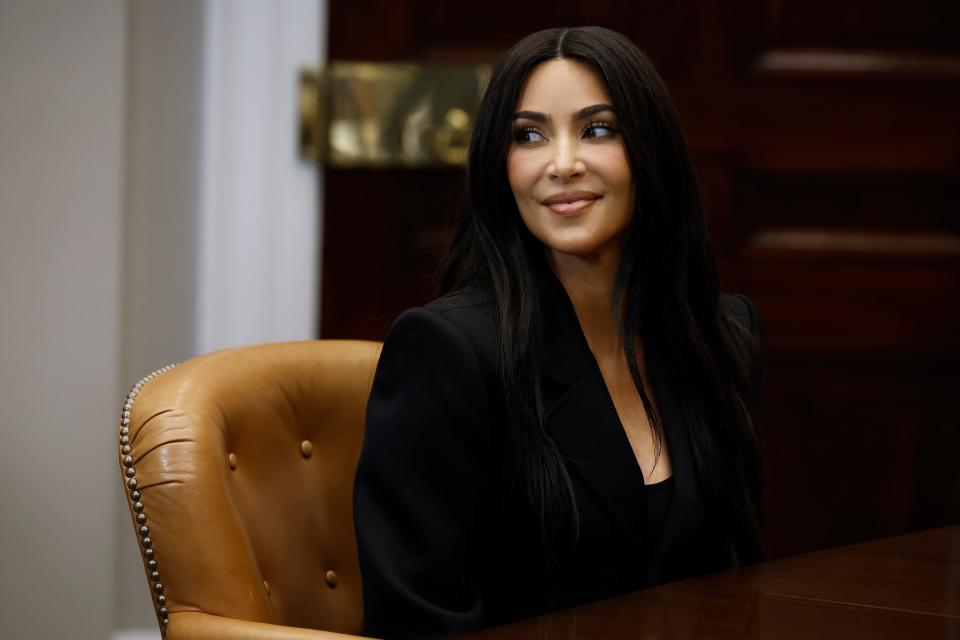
pixel 593 109
pixel 580 114
pixel 536 116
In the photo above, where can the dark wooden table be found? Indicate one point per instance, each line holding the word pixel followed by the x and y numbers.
pixel 902 587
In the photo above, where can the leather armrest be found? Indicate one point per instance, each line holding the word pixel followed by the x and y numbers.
pixel 195 625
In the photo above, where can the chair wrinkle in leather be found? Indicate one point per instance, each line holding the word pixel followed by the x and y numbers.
pixel 262 546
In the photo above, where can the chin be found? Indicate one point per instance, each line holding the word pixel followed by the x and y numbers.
pixel 581 250
pixel 579 243
pixel 578 247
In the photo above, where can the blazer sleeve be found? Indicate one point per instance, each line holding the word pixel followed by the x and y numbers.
pixel 756 321
pixel 747 315
pixel 421 477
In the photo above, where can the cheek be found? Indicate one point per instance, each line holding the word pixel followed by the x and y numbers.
pixel 626 179
pixel 619 177
pixel 617 167
pixel 521 172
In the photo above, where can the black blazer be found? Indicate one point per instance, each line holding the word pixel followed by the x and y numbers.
pixel 446 541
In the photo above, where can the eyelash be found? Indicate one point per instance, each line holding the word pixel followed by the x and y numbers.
pixel 518 135
pixel 600 124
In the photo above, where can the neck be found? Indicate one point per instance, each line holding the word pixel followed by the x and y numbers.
pixel 588 282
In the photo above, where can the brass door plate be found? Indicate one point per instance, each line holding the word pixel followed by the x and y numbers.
pixel 357 114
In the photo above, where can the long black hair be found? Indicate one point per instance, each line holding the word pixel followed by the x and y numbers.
pixel 666 289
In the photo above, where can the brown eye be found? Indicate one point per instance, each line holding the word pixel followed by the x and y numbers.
pixel 528 135
pixel 599 130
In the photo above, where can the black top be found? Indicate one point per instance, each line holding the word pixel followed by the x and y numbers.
pixel 447 542
pixel 659 497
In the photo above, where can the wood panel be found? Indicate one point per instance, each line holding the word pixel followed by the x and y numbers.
pixel 827 139
pixel 382 244
pixel 924 25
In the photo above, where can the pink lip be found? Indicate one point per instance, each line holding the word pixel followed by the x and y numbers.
pixel 572 203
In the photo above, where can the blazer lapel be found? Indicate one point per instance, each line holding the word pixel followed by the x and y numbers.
pixel 686 510
pixel 582 420
pixel 584 423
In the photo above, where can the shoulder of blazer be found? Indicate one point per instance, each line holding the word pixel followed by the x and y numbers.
pixel 473 312
pixel 466 305
pixel 745 320
pixel 741 310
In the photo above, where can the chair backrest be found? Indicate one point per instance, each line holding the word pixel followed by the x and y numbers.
pixel 238 468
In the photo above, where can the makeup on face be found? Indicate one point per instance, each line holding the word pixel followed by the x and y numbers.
pixel 567 165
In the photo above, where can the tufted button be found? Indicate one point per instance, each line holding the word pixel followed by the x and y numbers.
pixel 266 585
pixel 232 459
pixel 331 578
pixel 306 448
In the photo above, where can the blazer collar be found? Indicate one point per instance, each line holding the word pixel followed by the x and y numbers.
pixel 581 418
pixel 566 355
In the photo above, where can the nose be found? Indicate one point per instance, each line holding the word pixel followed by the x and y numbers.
pixel 566 162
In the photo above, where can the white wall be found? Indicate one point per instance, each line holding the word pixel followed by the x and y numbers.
pixel 165 55
pixel 258 218
pixel 61 151
pixel 131 131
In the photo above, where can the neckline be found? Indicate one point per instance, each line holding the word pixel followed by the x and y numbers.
pixel 659 486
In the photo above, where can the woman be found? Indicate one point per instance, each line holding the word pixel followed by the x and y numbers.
pixel 576 417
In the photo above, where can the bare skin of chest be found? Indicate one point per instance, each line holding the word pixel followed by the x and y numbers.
pixel 633 417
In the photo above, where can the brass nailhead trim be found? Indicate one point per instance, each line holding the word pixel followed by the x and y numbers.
pixel 306 448
pixel 130 472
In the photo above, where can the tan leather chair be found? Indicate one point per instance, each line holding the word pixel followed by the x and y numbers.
pixel 238 469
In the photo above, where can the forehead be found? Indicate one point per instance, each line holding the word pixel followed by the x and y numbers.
pixel 561 85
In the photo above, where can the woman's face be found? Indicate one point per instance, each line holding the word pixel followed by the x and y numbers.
pixel 567 164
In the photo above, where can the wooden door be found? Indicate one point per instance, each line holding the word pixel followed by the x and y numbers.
pixel 827 139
